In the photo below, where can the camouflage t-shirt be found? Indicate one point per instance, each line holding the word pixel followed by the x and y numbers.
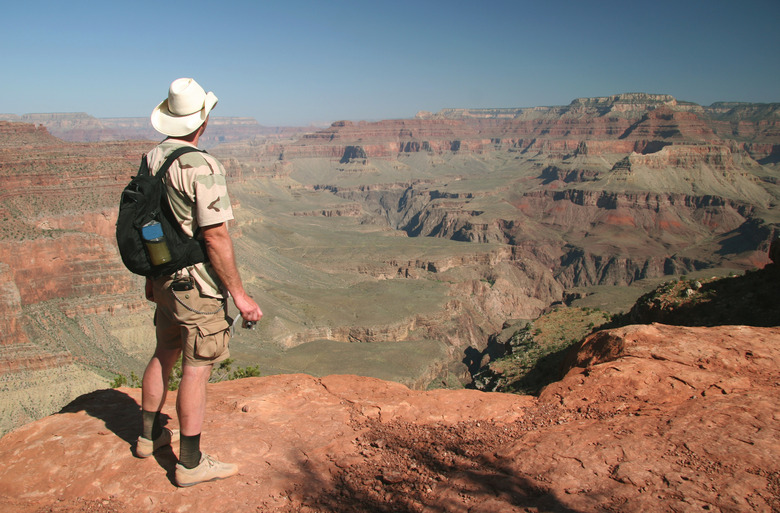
pixel 197 193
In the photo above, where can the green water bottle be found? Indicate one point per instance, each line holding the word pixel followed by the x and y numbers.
pixel 154 240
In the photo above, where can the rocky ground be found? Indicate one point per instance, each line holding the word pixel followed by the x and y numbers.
pixel 649 418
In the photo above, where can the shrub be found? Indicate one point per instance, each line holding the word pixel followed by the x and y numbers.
pixel 222 372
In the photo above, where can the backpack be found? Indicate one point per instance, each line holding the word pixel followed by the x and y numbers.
pixel 145 200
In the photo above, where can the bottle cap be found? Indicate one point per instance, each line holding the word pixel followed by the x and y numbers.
pixel 151 231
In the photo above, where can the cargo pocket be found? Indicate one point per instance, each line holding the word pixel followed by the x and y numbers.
pixel 212 339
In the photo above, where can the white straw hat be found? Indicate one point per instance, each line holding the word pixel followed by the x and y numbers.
pixel 185 109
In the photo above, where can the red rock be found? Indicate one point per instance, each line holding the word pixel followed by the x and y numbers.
pixel 649 418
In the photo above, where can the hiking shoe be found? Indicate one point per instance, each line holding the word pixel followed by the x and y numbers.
pixel 209 469
pixel 145 447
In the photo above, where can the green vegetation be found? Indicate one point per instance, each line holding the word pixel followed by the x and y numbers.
pixel 537 349
pixel 222 372
pixel 749 299
pixel 121 380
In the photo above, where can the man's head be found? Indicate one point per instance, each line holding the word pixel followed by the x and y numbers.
pixel 185 110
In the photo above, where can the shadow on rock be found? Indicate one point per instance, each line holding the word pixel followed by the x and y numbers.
pixel 120 412
pixel 122 416
pixel 749 300
pixel 407 468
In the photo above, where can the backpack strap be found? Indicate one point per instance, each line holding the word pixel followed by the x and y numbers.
pixel 178 152
pixel 196 248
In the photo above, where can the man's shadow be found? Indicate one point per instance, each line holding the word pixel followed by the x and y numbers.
pixel 122 415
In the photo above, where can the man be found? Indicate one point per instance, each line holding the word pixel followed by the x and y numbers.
pixel 191 316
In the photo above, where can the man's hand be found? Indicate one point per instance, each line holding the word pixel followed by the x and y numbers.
pixel 248 308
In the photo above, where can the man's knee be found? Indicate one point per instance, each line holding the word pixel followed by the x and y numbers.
pixel 195 373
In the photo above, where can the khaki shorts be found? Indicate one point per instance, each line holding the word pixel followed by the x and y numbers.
pixel 198 325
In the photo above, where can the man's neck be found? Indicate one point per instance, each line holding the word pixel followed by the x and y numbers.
pixel 193 141
pixel 192 138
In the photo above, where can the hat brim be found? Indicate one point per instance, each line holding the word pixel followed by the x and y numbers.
pixel 176 126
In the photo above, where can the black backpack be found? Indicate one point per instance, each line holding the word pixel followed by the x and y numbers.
pixel 144 200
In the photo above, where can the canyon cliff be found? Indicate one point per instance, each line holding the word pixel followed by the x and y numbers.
pixel 386 249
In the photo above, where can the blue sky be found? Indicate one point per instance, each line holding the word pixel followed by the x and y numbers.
pixel 296 62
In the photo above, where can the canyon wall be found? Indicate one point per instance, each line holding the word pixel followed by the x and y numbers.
pixel 58 264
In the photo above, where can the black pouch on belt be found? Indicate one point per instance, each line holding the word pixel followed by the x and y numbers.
pixel 182 283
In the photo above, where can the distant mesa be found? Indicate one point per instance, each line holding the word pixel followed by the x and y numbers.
pixel 81 127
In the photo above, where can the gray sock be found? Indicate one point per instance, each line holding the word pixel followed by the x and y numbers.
pixel 151 424
pixel 189 450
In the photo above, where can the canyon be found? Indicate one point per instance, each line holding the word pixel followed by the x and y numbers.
pixel 383 249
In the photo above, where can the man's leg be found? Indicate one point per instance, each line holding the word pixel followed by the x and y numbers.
pixel 205 338
pixel 191 408
pixel 194 467
pixel 154 386
pixel 154 390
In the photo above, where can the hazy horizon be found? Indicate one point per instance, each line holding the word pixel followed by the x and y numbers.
pixel 308 62
pixel 320 124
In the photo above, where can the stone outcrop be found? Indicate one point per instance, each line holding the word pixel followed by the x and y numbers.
pixel 648 418
pixel 747 299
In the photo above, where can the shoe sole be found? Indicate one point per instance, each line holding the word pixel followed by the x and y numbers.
pixel 144 454
pixel 187 485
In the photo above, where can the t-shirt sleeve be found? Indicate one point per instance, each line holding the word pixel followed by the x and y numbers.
pixel 212 203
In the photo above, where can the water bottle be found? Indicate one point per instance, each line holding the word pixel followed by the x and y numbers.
pixel 154 240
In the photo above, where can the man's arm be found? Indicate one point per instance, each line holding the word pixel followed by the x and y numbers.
pixel 219 248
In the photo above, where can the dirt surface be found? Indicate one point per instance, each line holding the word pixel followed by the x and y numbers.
pixel 650 418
